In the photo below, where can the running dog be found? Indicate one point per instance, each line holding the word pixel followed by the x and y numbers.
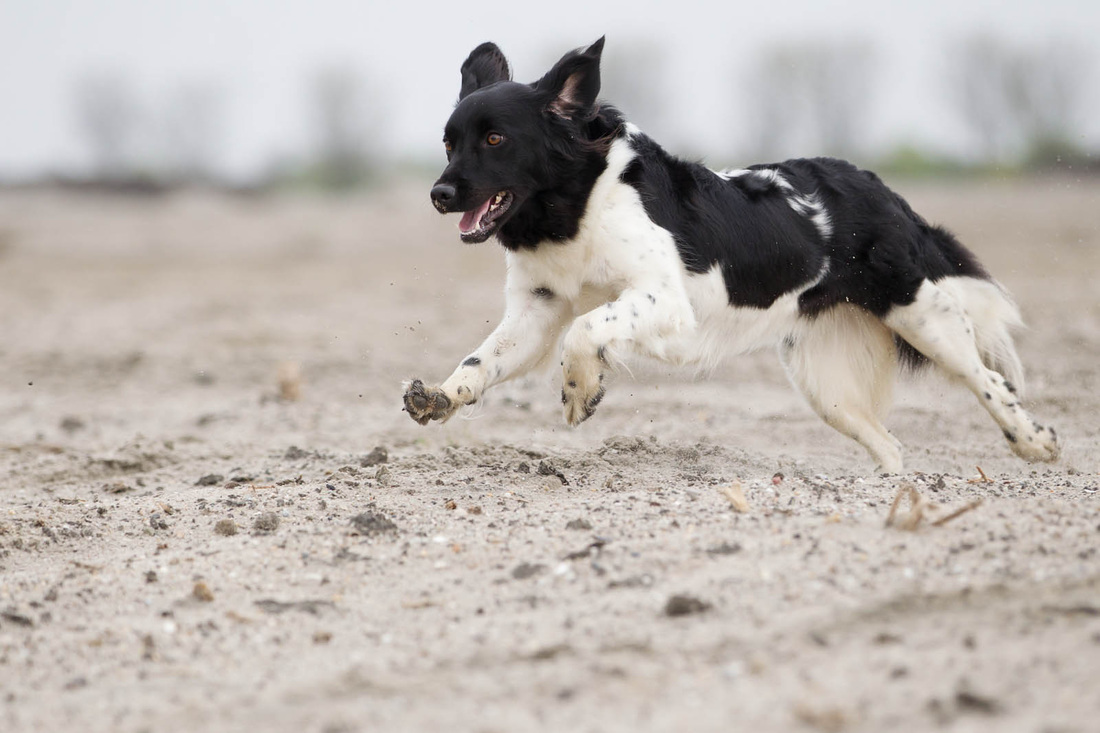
pixel 626 249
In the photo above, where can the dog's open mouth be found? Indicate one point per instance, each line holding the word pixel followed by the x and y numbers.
pixel 477 224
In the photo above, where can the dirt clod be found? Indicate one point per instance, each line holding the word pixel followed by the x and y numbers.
pixel 266 522
pixel 547 468
pixel 294 453
pixel 377 456
pixel 578 524
pixel 372 523
pixel 225 527
pixel 269 605
pixel 527 570
pixel 210 479
pixel 19 619
pixel 726 548
pixel 683 605
pixel 202 592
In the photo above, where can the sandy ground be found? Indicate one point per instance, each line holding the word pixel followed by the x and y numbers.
pixel 182 549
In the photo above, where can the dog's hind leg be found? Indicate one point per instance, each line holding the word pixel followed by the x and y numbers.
pixel 937 324
pixel 844 361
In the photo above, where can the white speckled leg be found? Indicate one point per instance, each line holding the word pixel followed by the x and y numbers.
pixel 936 324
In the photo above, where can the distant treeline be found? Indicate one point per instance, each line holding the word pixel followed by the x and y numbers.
pixel 1021 107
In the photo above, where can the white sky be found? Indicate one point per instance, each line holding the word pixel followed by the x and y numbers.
pixel 261 54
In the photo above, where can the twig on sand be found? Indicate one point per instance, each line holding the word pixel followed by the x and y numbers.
pixel 736 495
pixel 911 519
pixel 983 478
pixel 918 507
pixel 958 512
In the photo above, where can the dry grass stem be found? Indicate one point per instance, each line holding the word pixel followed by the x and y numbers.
pixel 958 512
pixel 918 510
pixel 983 479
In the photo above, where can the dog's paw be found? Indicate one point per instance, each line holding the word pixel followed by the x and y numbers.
pixel 1034 442
pixel 581 391
pixel 425 404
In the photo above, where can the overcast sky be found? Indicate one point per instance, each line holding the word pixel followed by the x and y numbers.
pixel 262 53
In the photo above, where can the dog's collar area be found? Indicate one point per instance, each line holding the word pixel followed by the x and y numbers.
pixel 478 224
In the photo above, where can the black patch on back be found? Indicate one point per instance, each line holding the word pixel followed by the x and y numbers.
pixel 879 251
pixel 763 248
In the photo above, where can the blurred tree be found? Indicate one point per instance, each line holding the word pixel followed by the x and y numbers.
pixel 814 95
pixel 1018 101
pixel 345 126
pixel 771 113
pixel 108 117
pixel 193 131
pixel 1050 98
pixel 838 84
pixel 983 72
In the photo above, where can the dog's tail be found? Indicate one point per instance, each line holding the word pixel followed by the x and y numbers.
pixel 994 315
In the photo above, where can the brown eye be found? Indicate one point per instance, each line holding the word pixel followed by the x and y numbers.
pixel 447 145
pixel 494 139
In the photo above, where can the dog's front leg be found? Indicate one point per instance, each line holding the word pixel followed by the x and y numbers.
pixel 646 320
pixel 533 320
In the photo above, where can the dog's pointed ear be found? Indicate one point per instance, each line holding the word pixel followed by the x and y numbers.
pixel 573 84
pixel 484 66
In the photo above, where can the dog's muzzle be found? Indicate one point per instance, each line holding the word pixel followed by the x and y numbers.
pixel 443 195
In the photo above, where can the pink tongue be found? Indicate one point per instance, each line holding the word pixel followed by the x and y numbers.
pixel 470 219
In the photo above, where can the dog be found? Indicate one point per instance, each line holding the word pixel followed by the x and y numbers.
pixel 627 250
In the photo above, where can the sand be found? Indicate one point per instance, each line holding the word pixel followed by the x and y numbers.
pixel 215 516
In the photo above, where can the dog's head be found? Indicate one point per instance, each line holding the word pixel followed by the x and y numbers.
pixel 505 140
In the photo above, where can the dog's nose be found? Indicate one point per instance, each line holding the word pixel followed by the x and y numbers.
pixel 443 194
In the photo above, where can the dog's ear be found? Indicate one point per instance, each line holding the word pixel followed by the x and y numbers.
pixel 572 85
pixel 484 66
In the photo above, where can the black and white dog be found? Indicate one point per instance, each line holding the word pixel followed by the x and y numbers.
pixel 629 250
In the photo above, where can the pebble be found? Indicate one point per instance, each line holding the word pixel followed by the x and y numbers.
pixel 225 527
pixel 370 523
pixel 266 522
pixel 375 457
pixel 681 605
pixel 527 570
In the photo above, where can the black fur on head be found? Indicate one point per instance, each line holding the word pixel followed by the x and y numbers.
pixel 522 158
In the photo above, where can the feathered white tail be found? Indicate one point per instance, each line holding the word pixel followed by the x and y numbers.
pixel 994 315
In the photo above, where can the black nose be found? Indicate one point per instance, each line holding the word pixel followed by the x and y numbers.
pixel 443 194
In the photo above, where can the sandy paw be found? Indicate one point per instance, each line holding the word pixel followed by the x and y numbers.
pixel 1038 444
pixel 425 404
pixel 581 392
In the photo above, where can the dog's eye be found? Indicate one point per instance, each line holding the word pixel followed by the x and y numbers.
pixel 447 145
pixel 494 138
